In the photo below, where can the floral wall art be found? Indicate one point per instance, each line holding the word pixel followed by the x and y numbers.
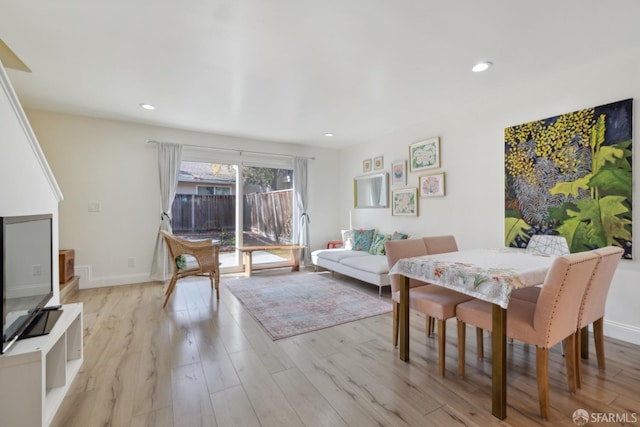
pixel 404 202
pixel 424 154
pixel 432 185
pixel 570 175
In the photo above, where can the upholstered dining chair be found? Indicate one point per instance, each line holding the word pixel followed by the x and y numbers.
pixel 434 301
pixel 544 323
pixel 206 254
pixel 593 305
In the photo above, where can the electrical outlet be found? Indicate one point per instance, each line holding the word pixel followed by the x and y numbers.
pixel 94 207
pixel 132 262
pixel 37 270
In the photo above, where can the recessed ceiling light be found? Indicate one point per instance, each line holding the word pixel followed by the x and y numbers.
pixel 481 66
pixel 147 106
pixel 328 134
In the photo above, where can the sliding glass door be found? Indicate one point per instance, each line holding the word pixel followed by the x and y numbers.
pixel 237 205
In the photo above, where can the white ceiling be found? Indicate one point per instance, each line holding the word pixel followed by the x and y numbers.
pixel 293 70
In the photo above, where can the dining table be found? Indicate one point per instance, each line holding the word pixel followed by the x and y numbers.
pixel 489 274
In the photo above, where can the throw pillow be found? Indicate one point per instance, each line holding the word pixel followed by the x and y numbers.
pixel 377 245
pixel 399 236
pixel 347 239
pixel 362 239
pixel 181 262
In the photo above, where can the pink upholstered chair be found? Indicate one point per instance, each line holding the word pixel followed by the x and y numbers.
pixel 434 301
pixel 593 304
pixel 550 320
pixel 206 254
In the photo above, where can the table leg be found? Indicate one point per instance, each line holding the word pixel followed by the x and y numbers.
pixel 499 353
pixel 404 318
pixel 248 259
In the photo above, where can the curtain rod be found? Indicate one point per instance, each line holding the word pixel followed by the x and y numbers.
pixel 262 153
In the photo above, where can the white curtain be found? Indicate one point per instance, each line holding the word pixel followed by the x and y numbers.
pixel 169 158
pixel 300 215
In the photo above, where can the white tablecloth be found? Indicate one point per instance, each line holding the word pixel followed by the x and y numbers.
pixel 487 274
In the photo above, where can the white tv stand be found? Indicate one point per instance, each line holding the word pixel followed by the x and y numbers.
pixel 36 373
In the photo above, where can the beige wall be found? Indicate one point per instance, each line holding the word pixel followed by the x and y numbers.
pixel 472 153
pixel 109 162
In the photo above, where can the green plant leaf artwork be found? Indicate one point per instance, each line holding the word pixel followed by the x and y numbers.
pixel 571 175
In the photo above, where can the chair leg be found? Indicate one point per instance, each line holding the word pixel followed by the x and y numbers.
pixel 396 323
pixel 570 361
pixel 429 325
pixel 215 282
pixel 577 360
pixel 462 338
pixel 442 344
pixel 480 343
pixel 598 335
pixel 542 375
pixel 172 285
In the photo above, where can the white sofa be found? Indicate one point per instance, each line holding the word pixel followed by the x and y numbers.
pixel 358 264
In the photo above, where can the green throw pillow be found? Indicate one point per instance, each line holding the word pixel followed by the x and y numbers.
pixel 377 246
pixel 181 262
pixel 362 239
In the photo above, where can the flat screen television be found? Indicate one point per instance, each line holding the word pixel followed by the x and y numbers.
pixel 26 273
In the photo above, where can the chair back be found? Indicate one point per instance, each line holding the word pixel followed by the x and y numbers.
pixel 595 296
pixel 541 244
pixel 556 313
pixel 204 251
pixel 398 249
pixel 440 244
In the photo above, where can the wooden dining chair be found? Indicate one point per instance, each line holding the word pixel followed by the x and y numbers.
pixel 434 301
pixel 593 305
pixel 544 323
pixel 206 254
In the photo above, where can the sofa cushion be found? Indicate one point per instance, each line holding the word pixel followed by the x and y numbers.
pixel 362 239
pixel 376 264
pixel 377 245
pixel 337 255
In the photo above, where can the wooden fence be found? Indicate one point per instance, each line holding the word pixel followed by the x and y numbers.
pixel 267 214
pixel 270 215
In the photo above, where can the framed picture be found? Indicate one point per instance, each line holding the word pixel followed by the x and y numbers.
pixel 399 172
pixel 404 202
pixel 378 163
pixel 424 154
pixel 432 185
pixel 366 165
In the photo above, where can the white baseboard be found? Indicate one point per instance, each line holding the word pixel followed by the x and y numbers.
pixel 87 281
pixel 622 332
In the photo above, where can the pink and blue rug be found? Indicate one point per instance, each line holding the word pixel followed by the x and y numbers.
pixel 296 303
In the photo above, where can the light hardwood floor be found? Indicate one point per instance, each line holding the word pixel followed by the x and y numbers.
pixel 201 362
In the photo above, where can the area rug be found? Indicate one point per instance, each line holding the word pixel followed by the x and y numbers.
pixel 295 303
